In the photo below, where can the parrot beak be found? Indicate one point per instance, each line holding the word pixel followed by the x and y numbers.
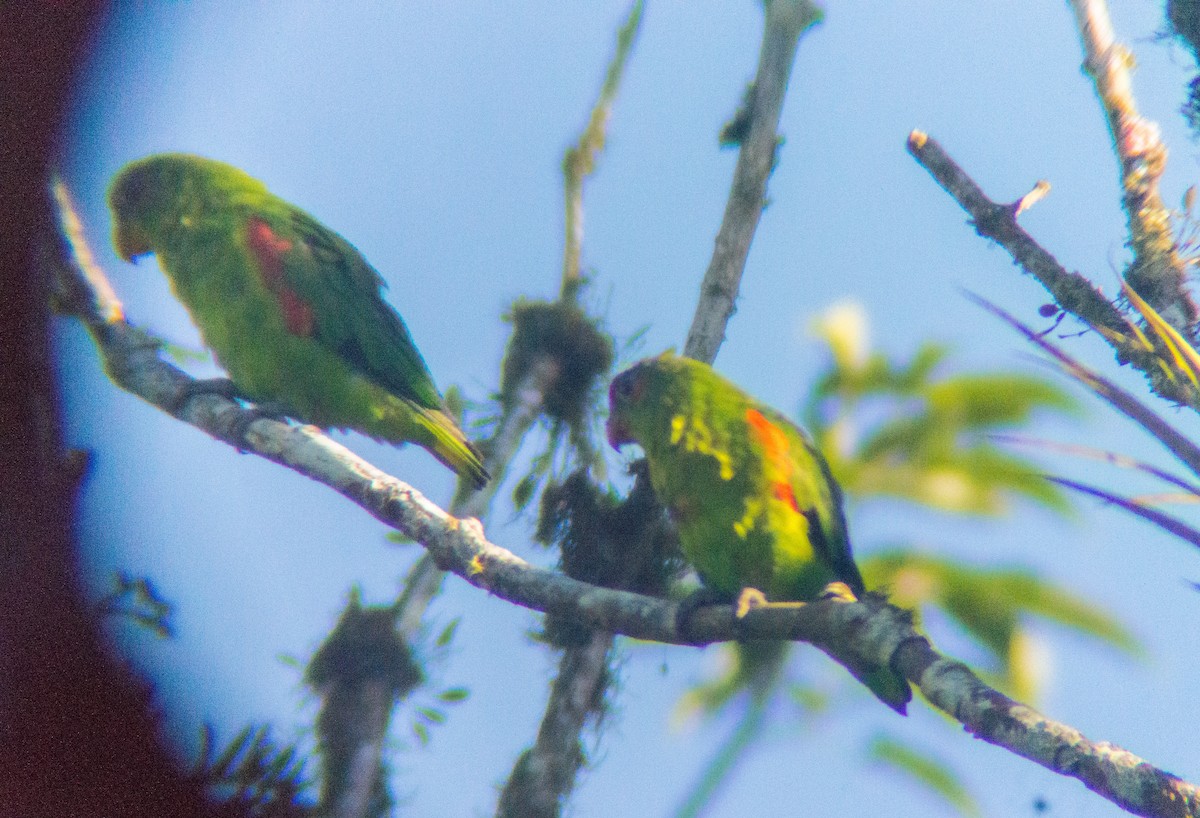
pixel 618 434
pixel 130 242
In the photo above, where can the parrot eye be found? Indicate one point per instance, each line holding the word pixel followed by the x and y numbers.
pixel 623 388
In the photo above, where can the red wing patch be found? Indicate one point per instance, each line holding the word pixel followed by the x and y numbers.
pixel 268 250
pixel 775 452
pixel 783 492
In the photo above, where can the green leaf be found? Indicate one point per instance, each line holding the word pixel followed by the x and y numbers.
pixel 934 774
pixel 921 437
pixel 224 763
pixel 808 698
pixel 183 354
pixel 1043 599
pixel 455 402
pixel 453 695
pixel 986 401
pixel 432 715
pixel 447 635
pixel 523 491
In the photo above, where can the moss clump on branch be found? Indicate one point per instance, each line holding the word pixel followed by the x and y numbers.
pixel 1184 18
pixel 624 544
pixel 562 333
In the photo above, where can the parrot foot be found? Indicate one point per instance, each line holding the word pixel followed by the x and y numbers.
pixel 203 386
pixel 227 389
pixel 838 591
pixel 700 598
pixel 752 599
pixel 747 601
pixel 248 417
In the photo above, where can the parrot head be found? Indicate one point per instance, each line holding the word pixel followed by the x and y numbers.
pixel 136 197
pixel 645 396
pixel 147 195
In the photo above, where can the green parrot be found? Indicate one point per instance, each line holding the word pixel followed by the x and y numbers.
pixel 752 498
pixel 290 309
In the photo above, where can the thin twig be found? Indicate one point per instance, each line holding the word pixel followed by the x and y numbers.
pixel 580 160
pixel 1157 271
pixel 1170 524
pixel 1119 460
pixel 786 21
pixel 424 578
pixel 1071 291
pixel 545 775
pixel 1166 434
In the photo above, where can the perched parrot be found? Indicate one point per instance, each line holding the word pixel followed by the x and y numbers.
pixel 752 498
pixel 290 309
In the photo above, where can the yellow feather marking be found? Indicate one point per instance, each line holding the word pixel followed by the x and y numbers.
pixel 745 525
pixel 677 425
pixel 697 437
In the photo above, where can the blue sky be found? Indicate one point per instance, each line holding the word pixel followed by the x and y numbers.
pixel 431 137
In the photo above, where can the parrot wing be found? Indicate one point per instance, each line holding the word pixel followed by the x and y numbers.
pixel 798 475
pixel 328 292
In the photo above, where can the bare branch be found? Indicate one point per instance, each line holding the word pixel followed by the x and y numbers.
pixel 545 774
pixel 865 633
pixel 786 21
pixel 1122 461
pixel 1157 272
pixel 580 160
pixel 1071 291
pixel 1170 524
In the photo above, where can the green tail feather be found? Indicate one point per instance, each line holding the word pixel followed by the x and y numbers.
pixel 448 444
pixel 888 686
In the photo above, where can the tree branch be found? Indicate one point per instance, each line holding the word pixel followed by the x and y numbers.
pixel 1071 291
pixel 1157 272
pixel 1172 525
pixel 544 775
pixel 580 160
pixel 868 632
pixel 786 21
pixel 424 578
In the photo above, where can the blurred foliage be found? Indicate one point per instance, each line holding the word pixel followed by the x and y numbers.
pixel 431 702
pixel 252 777
pixel 137 600
pixel 925 770
pixel 992 605
pixel 364 646
pixel 890 429
pixel 365 664
pixel 1183 16
pixel 361 670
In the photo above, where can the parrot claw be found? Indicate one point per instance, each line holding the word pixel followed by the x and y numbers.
pixel 747 601
pixel 226 388
pixel 223 387
pixel 838 591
